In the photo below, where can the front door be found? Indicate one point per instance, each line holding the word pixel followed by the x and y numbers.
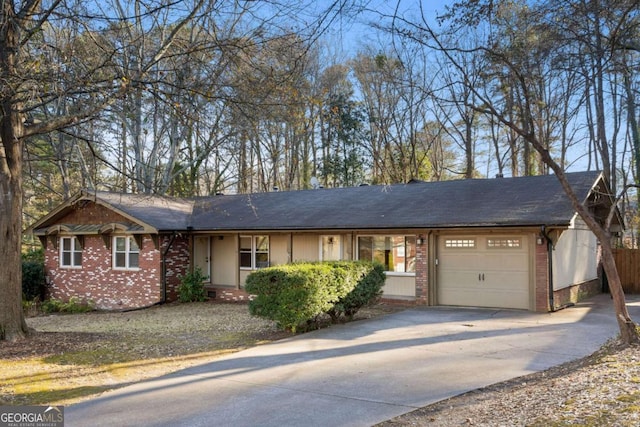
pixel 202 255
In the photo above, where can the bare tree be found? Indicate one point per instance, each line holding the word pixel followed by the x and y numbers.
pixel 95 80
pixel 421 32
pixel 393 92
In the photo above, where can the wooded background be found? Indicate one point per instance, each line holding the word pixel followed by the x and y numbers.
pixel 252 96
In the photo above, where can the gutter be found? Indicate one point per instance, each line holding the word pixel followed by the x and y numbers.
pixel 543 231
pixel 163 279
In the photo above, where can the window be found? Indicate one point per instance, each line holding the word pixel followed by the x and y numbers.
pixel 254 251
pixel 396 253
pixel 504 243
pixel 460 243
pixel 70 252
pixel 126 253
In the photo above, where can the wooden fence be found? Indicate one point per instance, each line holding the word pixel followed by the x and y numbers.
pixel 628 263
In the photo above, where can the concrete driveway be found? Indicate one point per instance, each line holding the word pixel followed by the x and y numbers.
pixel 361 373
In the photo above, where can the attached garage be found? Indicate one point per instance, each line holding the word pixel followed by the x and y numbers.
pixel 484 271
pixel 504 243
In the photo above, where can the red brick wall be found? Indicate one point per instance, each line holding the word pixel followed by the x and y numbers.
pixel 98 283
pixel 541 290
pixel 575 293
pixel 177 263
pixel 228 294
pixel 105 287
pixel 422 269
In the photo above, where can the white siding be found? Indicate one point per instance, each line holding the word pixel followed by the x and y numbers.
pixel 279 249
pixel 575 256
pixel 305 247
pixel 399 286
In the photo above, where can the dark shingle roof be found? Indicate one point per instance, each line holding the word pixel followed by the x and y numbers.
pixel 464 203
pixel 499 202
pixel 162 213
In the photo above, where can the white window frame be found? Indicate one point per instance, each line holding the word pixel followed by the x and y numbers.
pixel 127 253
pixel 75 247
pixel 460 243
pixel 254 251
pixel 504 243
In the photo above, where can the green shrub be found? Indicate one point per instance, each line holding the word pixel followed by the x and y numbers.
pixel 297 293
pixel 34 255
pixel 33 283
pixel 191 287
pixel 367 291
pixel 30 307
pixel 74 305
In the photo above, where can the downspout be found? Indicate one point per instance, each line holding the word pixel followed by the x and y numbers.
pixel 164 268
pixel 543 231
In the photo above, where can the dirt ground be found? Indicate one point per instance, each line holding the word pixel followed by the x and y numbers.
pixel 71 357
pixel 74 357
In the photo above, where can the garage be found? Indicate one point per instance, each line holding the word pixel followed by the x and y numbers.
pixel 483 271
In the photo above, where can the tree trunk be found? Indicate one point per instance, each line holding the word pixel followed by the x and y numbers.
pixel 629 333
pixel 12 323
pixel 628 330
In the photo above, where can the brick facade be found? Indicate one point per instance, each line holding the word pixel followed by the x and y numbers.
pixel 541 291
pixel 422 272
pixel 97 282
pixel 573 294
pixel 228 294
pixel 101 285
pixel 177 262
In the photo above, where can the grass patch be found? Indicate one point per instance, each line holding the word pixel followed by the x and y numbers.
pixel 629 398
pixel 44 397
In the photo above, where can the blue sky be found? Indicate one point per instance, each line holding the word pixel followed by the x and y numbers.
pixel 353 34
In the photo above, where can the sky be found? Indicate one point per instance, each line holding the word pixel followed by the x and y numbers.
pixel 353 34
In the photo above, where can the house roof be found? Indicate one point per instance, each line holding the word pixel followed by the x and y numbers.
pixel 535 200
pixel 148 213
pixel 160 212
pixel 499 202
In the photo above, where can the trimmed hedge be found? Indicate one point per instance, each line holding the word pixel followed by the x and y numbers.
pixel 367 291
pixel 297 293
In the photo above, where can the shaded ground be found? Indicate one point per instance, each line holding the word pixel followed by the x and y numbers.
pixel 75 356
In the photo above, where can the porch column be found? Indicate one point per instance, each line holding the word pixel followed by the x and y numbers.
pixel 422 269
pixel 542 279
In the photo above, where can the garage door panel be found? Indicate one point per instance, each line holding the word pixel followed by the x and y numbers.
pixel 506 262
pixel 464 261
pixel 506 280
pixel 483 276
pixel 460 279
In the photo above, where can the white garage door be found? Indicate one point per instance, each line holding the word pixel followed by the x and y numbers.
pixel 483 271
